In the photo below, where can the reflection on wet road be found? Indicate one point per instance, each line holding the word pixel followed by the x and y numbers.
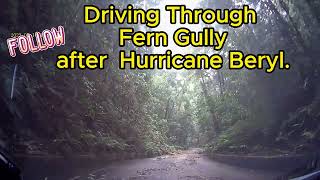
pixel 188 165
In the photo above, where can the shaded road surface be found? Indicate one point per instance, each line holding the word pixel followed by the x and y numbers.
pixel 188 165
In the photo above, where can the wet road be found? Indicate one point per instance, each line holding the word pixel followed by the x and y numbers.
pixel 188 165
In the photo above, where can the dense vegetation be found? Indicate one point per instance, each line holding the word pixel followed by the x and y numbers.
pixel 156 111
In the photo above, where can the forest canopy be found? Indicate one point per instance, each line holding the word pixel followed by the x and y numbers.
pixel 49 111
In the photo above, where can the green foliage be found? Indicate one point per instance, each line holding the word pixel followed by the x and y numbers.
pixel 157 111
pixel 256 111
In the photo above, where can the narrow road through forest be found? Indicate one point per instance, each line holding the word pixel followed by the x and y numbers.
pixel 187 165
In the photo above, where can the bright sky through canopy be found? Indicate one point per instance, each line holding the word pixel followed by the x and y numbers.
pixel 171 28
